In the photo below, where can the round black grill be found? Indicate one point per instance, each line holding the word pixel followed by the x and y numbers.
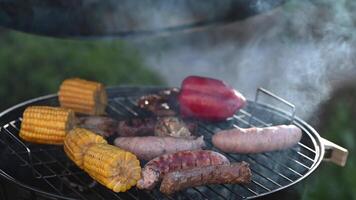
pixel 47 170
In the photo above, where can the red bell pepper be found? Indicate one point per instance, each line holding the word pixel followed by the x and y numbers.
pixel 208 99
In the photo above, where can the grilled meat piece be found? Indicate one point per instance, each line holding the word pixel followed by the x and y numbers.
pixel 156 168
pixel 173 126
pixel 104 126
pixel 161 104
pixel 235 173
pixel 136 127
pixel 167 126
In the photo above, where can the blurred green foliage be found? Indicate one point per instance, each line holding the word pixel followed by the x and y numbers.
pixel 337 125
pixel 31 66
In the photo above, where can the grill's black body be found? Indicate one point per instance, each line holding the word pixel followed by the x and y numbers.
pixel 124 18
pixel 46 170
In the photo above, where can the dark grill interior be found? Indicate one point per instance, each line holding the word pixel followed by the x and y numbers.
pixel 47 169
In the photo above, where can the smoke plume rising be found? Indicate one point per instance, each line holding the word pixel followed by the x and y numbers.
pixel 299 51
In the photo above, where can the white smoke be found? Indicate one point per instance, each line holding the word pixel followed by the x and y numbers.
pixel 298 51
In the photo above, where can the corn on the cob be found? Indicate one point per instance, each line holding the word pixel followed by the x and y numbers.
pixel 47 125
pixel 113 167
pixel 77 142
pixel 83 96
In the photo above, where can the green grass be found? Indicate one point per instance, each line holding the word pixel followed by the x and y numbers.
pixel 35 65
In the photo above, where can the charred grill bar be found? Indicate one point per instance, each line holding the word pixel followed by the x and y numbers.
pixel 47 171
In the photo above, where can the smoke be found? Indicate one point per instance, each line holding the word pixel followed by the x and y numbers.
pixel 299 51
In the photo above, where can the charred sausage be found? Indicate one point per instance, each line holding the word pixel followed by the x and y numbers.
pixel 149 147
pixel 257 140
pixel 236 173
pixel 155 169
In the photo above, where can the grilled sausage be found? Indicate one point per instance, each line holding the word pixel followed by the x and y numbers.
pixel 155 169
pixel 235 173
pixel 149 147
pixel 257 140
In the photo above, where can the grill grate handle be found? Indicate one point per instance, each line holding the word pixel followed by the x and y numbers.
pixel 22 144
pixel 280 99
pixel 334 153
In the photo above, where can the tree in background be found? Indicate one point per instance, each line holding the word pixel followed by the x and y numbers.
pixel 31 65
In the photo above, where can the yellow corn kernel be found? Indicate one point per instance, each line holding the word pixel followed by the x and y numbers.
pixel 113 167
pixel 83 96
pixel 46 125
pixel 77 142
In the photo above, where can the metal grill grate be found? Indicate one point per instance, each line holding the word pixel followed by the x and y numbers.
pixel 46 169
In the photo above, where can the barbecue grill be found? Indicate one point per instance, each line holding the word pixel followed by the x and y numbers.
pixel 45 169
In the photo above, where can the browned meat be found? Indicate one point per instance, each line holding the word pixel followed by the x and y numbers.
pixel 160 104
pixel 235 173
pixel 155 169
pixel 173 126
pixel 107 126
pixel 136 127
pixel 257 140
pixel 149 147
pixel 104 126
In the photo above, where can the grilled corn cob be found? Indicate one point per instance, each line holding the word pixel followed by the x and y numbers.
pixel 77 142
pixel 113 167
pixel 83 96
pixel 47 125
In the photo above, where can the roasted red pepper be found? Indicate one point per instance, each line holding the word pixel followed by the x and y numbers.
pixel 208 99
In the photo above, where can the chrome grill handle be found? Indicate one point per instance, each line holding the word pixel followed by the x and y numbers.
pixel 278 98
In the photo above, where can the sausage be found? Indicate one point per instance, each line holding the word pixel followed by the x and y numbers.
pixel 149 147
pixel 257 140
pixel 155 169
pixel 235 173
